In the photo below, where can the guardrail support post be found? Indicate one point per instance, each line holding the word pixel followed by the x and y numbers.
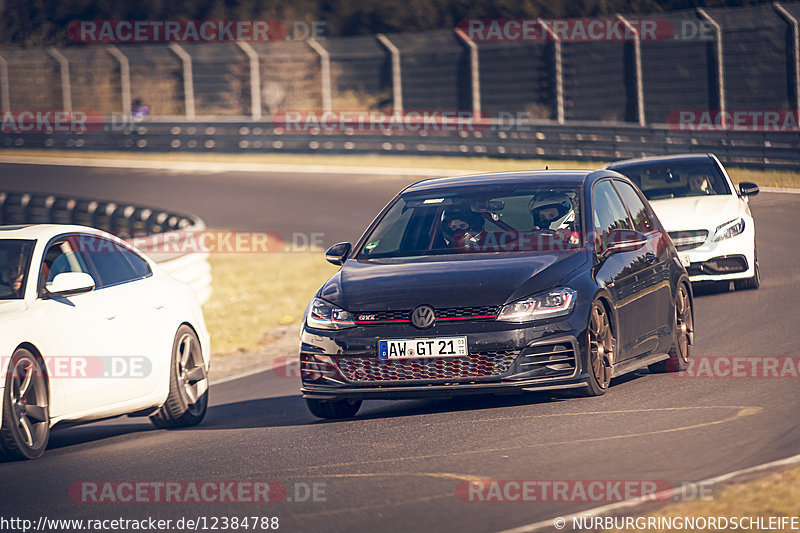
pixel 255 80
pixel 5 96
pixel 188 78
pixel 397 82
pixel 720 65
pixel 791 19
pixel 559 64
pixel 124 78
pixel 475 74
pixel 66 88
pixel 325 74
pixel 637 60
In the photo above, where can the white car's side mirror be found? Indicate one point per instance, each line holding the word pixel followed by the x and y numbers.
pixel 69 283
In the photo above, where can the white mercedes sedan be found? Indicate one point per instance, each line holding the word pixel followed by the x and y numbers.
pixel 708 219
pixel 92 329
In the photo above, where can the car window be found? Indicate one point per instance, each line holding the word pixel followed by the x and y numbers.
pixel 659 181
pixel 608 210
pixel 59 258
pixel 642 221
pixel 112 262
pixel 15 258
pixel 491 220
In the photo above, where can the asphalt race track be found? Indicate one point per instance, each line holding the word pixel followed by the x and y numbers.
pixel 398 465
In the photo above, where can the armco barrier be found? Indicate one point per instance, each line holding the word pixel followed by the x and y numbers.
pixel 120 219
pixel 495 138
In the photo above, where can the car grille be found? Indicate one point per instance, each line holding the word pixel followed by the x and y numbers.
pixel 453 313
pixel 687 240
pixel 480 365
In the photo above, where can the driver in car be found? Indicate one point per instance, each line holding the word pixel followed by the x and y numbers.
pixel 700 184
pixel 552 211
pixel 12 276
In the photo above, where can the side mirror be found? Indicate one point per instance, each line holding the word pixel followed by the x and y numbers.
pixel 337 253
pixel 70 283
pixel 623 240
pixel 748 189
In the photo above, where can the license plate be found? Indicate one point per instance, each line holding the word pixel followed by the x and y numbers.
pixel 685 260
pixel 433 347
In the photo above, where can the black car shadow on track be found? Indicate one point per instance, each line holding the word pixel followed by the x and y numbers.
pixel 283 411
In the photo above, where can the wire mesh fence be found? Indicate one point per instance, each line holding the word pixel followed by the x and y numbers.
pixel 614 81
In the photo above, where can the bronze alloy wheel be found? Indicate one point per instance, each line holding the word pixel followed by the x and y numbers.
pixel 684 326
pixel 601 345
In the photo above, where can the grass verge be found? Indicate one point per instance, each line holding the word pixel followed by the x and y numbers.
pixel 775 495
pixel 253 293
pixel 765 178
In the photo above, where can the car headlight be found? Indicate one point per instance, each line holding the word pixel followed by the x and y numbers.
pixel 324 315
pixel 728 230
pixel 553 303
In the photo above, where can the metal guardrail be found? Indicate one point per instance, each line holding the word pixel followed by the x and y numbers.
pixel 525 139
pixel 123 220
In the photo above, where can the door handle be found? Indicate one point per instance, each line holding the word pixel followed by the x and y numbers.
pixel 650 257
pixel 110 315
pixel 159 306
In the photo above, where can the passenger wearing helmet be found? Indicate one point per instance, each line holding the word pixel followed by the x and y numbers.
pixel 552 210
pixel 460 224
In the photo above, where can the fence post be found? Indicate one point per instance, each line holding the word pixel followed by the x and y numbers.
pixel 475 74
pixel 791 19
pixel 720 66
pixel 255 80
pixel 325 63
pixel 397 82
pixel 5 97
pixel 637 60
pixel 66 88
pixel 188 78
pixel 559 71
pixel 124 78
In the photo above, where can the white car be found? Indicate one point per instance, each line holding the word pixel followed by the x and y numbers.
pixel 91 329
pixel 707 218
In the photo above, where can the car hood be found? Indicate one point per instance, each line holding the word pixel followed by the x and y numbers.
pixel 443 282
pixel 697 212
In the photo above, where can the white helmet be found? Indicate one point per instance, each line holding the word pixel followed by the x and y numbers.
pixel 552 210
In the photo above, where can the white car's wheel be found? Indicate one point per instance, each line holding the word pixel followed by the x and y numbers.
pixel 26 416
pixel 749 283
pixel 188 384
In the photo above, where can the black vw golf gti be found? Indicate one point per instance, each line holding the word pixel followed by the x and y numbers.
pixel 493 283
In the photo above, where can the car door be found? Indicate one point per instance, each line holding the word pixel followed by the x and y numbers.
pixel 620 272
pixel 81 327
pixel 142 341
pixel 653 301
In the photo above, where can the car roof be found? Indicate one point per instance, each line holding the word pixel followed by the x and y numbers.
pixel 661 159
pixel 43 231
pixel 524 177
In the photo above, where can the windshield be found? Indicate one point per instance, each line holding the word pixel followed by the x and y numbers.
pixel 677 180
pixel 15 257
pixel 543 218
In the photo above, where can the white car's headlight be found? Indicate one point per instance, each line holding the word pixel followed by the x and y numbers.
pixel 324 315
pixel 728 230
pixel 550 304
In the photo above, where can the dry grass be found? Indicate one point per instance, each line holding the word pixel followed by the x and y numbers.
pixel 773 496
pixel 253 293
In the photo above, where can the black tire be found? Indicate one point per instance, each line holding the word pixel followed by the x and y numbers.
pixel 749 283
pixel 187 401
pixel 332 409
pixel 601 345
pixel 25 431
pixel 682 335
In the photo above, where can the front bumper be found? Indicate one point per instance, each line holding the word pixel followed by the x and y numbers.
pixel 730 259
pixel 504 358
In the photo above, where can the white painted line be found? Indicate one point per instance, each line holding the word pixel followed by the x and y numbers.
pixel 613 507
pixel 212 166
pixel 780 189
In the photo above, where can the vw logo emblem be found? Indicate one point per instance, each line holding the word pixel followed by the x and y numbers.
pixel 423 317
